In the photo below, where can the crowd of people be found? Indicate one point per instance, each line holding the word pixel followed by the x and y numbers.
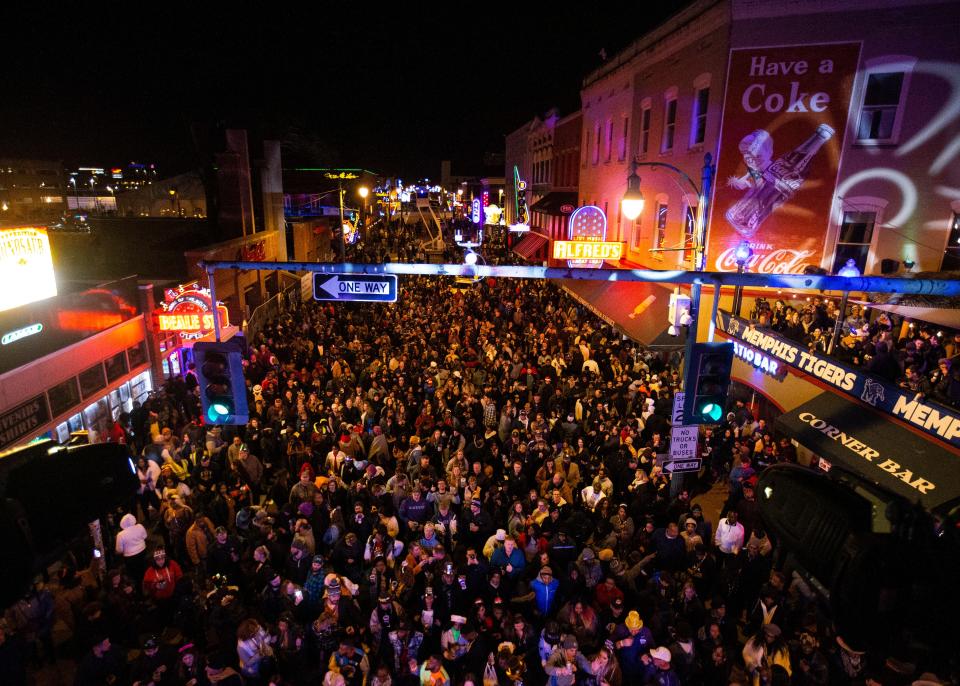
pixel 913 355
pixel 465 487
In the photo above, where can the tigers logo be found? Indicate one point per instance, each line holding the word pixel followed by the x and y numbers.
pixel 733 326
pixel 872 393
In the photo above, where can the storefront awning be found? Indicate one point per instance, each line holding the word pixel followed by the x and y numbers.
pixel 527 246
pixel 637 308
pixel 557 203
pixel 877 449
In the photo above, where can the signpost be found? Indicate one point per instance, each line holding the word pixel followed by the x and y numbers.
pixel 680 466
pixel 355 287
pixel 683 442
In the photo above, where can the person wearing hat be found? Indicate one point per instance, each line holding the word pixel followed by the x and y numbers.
pixel 154 662
pixel 384 617
pixel 659 670
pixel 632 640
pixel 455 641
pixel 545 589
pixel 690 535
pixel 313 587
pixel 566 662
pixel 477 525
pixel 304 489
pixel 160 579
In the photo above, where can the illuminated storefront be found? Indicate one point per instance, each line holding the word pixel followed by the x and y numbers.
pixel 82 362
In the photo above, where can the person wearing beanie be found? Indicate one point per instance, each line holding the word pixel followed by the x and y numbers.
pixel 566 662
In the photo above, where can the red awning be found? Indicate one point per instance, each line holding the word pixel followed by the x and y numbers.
pixel 637 308
pixel 527 246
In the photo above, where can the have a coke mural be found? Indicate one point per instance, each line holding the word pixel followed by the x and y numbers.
pixel 784 121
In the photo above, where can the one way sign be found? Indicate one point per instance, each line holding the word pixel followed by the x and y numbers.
pixel 355 287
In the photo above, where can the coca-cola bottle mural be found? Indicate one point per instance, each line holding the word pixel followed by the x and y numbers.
pixel 769 185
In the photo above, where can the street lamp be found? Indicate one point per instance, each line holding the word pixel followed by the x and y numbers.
pixel 742 254
pixel 632 203
pixel 76 193
pixel 175 193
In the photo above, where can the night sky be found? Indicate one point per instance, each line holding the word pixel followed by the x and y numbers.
pixel 394 93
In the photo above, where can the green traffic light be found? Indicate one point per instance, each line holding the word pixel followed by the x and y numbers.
pixel 712 411
pixel 217 412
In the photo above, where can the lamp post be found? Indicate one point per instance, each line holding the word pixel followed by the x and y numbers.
pixel 743 253
pixel 175 193
pixel 340 237
pixel 363 192
pixel 76 192
pixel 850 271
pixel 632 206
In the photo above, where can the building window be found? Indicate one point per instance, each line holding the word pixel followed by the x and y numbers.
pixel 609 151
pixel 689 231
pixel 596 143
pixel 645 130
pixel 853 242
pixel 881 104
pixel 951 256
pixel 660 233
pixel 625 134
pixel 635 235
pixel 698 130
pixel 669 124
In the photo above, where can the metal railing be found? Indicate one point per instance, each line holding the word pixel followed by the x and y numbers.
pixel 286 299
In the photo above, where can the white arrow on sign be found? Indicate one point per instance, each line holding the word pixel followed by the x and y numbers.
pixel 682 466
pixel 331 286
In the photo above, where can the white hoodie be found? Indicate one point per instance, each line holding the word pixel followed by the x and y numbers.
pixel 132 540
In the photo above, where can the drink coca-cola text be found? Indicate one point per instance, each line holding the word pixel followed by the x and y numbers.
pixel 782 261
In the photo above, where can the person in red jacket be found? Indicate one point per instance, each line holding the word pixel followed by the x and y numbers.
pixel 160 582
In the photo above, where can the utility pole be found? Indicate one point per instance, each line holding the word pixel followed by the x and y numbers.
pixel 343 245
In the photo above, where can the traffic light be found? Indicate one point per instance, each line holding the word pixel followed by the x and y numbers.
pixel 707 379
pixel 223 390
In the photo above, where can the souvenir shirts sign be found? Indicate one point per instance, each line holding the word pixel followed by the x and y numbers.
pixel 784 120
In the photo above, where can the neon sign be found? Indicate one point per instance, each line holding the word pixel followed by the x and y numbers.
pixel 19 334
pixel 476 215
pixel 587 250
pixel 189 312
pixel 588 224
pixel 520 202
pixel 757 359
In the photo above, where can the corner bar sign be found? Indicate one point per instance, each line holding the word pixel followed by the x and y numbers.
pixel 355 287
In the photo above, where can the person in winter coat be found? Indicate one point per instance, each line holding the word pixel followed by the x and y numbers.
pixel 198 540
pixel 544 589
pixel 510 558
pixel 160 581
pixel 132 546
